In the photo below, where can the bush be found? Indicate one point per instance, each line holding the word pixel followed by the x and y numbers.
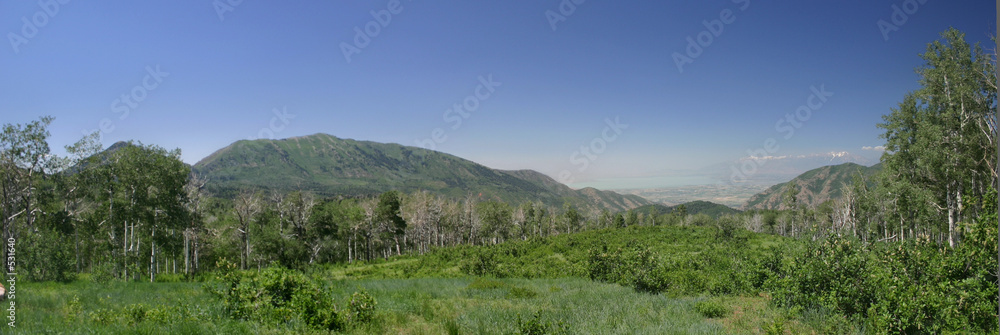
pixel 276 296
pixel 639 268
pixel 831 274
pixel 362 308
pixel 915 286
pixel 536 326
pixel 50 253
pixel 711 309
pixel 717 271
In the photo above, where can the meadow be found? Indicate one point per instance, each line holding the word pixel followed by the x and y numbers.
pixel 405 306
pixel 632 280
pixel 529 287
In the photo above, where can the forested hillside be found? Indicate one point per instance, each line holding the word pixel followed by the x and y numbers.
pixel 814 187
pixel 329 166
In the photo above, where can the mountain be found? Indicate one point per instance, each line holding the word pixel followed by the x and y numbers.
pixel 815 186
pixel 694 207
pixel 769 170
pixel 328 166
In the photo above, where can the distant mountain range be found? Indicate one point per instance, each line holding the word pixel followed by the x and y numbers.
pixel 815 186
pixel 770 170
pixel 330 166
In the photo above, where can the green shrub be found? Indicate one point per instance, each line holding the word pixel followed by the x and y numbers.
pixel 73 308
pixel 639 268
pixel 276 296
pixel 51 254
pixel 536 326
pixel 775 328
pixel 711 309
pixel 362 308
pixel 914 286
pixel 104 316
pixel 831 274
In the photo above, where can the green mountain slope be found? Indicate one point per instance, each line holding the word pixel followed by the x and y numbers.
pixel 329 166
pixel 815 186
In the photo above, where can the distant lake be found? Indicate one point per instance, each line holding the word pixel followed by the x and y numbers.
pixel 646 182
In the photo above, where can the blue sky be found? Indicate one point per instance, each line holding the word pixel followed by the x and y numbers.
pixel 222 77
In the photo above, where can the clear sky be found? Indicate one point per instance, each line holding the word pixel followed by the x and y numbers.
pixel 199 75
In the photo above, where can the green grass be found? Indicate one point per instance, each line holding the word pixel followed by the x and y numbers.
pixel 52 308
pixel 544 286
pixel 405 306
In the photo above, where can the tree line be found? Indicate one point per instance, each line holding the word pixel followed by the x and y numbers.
pixel 134 211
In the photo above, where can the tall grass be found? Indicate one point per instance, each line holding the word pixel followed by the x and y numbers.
pixel 405 306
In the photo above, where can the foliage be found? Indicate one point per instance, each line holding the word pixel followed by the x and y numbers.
pixel 939 139
pixel 910 286
pixel 636 267
pixel 362 308
pixel 47 254
pixel 711 309
pixel 276 296
pixel 690 208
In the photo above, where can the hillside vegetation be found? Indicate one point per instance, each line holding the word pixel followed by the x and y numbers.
pixel 815 186
pixel 330 166
pixel 711 209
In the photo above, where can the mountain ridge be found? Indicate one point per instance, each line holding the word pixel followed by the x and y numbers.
pixel 815 186
pixel 330 166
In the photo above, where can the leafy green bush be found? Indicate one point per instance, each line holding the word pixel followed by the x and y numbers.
pixel 832 274
pixel 72 309
pixel 276 296
pixel 636 267
pixel 723 270
pixel 51 256
pixel 362 308
pixel 914 286
pixel 536 326
pixel 711 309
